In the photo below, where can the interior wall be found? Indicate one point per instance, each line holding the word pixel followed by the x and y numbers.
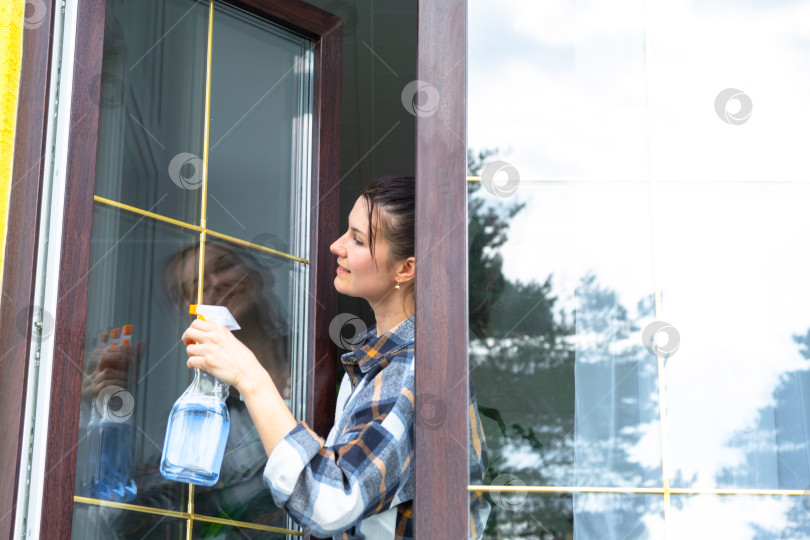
pixel 378 134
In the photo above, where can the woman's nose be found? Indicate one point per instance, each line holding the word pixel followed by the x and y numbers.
pixel 214 281
pixel 337 246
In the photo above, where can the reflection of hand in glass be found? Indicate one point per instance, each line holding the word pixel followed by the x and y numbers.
pixel 111 365
pixel 117 366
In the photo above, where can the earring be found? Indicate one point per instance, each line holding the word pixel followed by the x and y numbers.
pixel 397 287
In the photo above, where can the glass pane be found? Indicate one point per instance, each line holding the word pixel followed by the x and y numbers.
pixel 256 288
pixel 92 522
pixel 144 274
pixel 151 108
pixel 596 99
pixel 565 516
pixel 260 108
pixel 736 290
pixel 129 389
pixel 739 517
pixel 207 531
pixel 566 390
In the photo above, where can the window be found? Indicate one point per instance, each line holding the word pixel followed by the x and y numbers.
pixel 638 328
pixel 214 146
pixel 188 211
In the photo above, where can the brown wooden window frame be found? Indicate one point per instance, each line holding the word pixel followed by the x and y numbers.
pixel 441 505
pixel 20 258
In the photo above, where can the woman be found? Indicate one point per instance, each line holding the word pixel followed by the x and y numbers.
pixel 359 482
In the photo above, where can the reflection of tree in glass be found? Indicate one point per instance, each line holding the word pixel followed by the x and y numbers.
pixel 503 351
pixel 522 360
pixel 768 451
pixel 617 439
pixel 803 341
pixel 487 226
pixel 525 356
pixel 775 456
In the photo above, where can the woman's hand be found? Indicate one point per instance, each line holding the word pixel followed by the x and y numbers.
pixel 212 348
pixel 218 352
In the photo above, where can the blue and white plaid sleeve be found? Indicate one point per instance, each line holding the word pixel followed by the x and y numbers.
pixel 368 469
pixel 477 460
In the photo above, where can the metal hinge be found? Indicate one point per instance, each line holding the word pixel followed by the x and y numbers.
pixel 37 335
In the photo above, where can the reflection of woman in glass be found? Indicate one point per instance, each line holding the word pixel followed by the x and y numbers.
pixel 358 483
pixel 241 280
pixel 235 278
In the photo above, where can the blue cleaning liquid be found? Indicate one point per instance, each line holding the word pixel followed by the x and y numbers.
pixel 108 473
pixel 115 466
pixel 92 464
pixel 195 441
pixel 117 443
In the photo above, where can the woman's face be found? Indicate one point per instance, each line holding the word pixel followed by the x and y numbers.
pixel 226 282
pixel 356 273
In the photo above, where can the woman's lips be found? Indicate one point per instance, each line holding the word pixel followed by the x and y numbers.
pixel 341 270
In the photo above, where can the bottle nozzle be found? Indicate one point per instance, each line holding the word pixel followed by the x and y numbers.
pixel 218 314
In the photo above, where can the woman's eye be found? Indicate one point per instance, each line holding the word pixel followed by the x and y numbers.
pixel 358 242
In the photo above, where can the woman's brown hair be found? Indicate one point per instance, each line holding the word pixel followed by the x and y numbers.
pixel 395 199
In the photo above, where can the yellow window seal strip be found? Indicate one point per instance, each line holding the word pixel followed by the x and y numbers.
pixel 11 29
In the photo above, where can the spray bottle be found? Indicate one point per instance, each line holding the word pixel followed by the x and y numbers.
pixel 199 422
pixel 111 433
pixel 101 449
pixel 89 434
pixel 121 428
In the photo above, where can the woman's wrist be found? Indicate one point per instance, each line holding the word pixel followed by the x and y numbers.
pixel 255 384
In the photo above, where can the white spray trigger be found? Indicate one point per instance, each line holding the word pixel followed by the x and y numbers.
pixel 218 314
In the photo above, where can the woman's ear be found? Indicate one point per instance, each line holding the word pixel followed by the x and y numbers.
pixel 406 270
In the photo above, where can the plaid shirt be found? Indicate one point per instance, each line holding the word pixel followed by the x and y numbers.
pixel 359 482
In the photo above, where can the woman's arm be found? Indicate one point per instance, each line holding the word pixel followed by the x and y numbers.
pixel 366 471
pixel 270 415
pixel 215 350
pixel 326 489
